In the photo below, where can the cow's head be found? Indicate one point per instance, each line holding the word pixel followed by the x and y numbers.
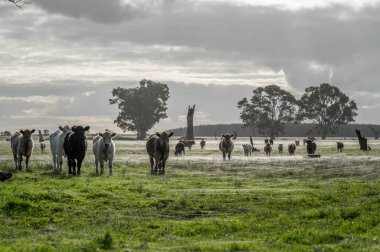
pixel 27 134
pixel 107 137
pixel 80 131
pixel 164 136
pixel 65 129
pixel 227 136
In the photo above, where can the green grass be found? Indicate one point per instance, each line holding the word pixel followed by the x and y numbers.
pixel 257 205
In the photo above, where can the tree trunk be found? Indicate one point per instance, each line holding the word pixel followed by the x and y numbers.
pixel 190 119
pixel 141 135
pixel 362 141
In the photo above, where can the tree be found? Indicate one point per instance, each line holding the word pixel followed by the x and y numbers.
pixel 326 106
pixel 268 110
pixel 141 107
pixel 19 3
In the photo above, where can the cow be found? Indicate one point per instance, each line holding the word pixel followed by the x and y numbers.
pixel 75 146
pixel 179 149
pixel 280 148
pixel 203 143
pixel 266 140
pixel 42 147
pixel 226 145
pixel 304 141
pixel 157 147
pixel 291 149
pixel 247 149
pixel 311 146
pixel 271 141
pixel 56 146
pixel 104 150
pixel 340 146
pixel 22 145
pixel 297 142
pixel 268 149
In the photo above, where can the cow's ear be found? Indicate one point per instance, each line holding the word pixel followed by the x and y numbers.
pixel 32 131
pixel 113 134
pixel 171 134
pixel 232 135
pixel 21 131
pixel 86 128
pixel 158 134
pixel 73 128
pixel 100 134
pixel 60 128
pixel 222 135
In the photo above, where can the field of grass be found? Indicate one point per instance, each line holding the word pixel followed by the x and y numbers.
pixel 256 203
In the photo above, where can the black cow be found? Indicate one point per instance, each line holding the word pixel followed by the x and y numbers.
pixel 179 149
pixel 75 147
pixel 311 146
pixel 340 146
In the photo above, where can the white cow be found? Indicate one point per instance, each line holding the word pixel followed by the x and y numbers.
pixel 104 150
pixel 56 146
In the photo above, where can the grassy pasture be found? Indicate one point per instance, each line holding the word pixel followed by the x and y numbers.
pixel 255 203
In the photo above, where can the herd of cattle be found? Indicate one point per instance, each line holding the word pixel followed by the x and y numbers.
pixel 71 142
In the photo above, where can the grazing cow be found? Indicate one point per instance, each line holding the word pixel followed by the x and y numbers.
pixel 268 149
pixel 56 146
pixel 340 146
pixel 179 149
pixel 247 149
pixel 75 146
pixel 104 150
pixel 157 147
pixel 226 145
pixel 280 148
pixel 297 142
pixel 311 146
pixel 291 149
pixel 22 145
pixel 203 143
pixel 42 147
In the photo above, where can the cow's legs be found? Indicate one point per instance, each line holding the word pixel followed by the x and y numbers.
pixel 19 161
pixel 162 167
pixel 110 165
pixel 224 156
pixel 15 159
pixel 96 166
pixel 152 171
pixel 59 162
pixel 27 163
pixel 54 162
pixel 79 165
pixel 229 156
pixel 101 166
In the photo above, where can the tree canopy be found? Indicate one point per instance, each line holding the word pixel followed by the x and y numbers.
pixel 141 107
pixel 268 110
pixel 326 106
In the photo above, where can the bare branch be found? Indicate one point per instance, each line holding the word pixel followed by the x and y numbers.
pixel 19 3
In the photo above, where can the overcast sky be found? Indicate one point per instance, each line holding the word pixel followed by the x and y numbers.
pixel 59 60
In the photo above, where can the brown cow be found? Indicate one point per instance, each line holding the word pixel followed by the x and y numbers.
pixel 291 149
pixel 22 145
pixel 157 147
pixel 226 145
pixel 268 149
pixel 340 146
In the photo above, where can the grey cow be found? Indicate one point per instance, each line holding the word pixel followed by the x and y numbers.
pixel 104 150
pixel 22 145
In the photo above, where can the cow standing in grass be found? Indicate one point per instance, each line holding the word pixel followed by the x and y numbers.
pixel 179 149
pixel 291 149
pixel 203 143
pixel 104 150
pixel 268 149
pixel 75 146
pixel 311 146
pixel 22 145
pixel 340 146
pixel 157 147
pixel 280 148
pixel 226 145
pixel 247 149
pixel 56 146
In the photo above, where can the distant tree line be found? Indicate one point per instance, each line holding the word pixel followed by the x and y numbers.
pixel 290 130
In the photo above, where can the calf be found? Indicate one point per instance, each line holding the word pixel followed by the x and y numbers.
pixel 56 146
pixel 268 149
pixel 280 148
pixel 339 146
pixel 179 149
pixel 75 146
pixel 247 149
pixel 203 143
pixel 311 146
pixel 291 149
pixel 104 150
pixel 297 142
pixel 226 145
pixel 22 145
pixel 157 147
pixel 42 147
